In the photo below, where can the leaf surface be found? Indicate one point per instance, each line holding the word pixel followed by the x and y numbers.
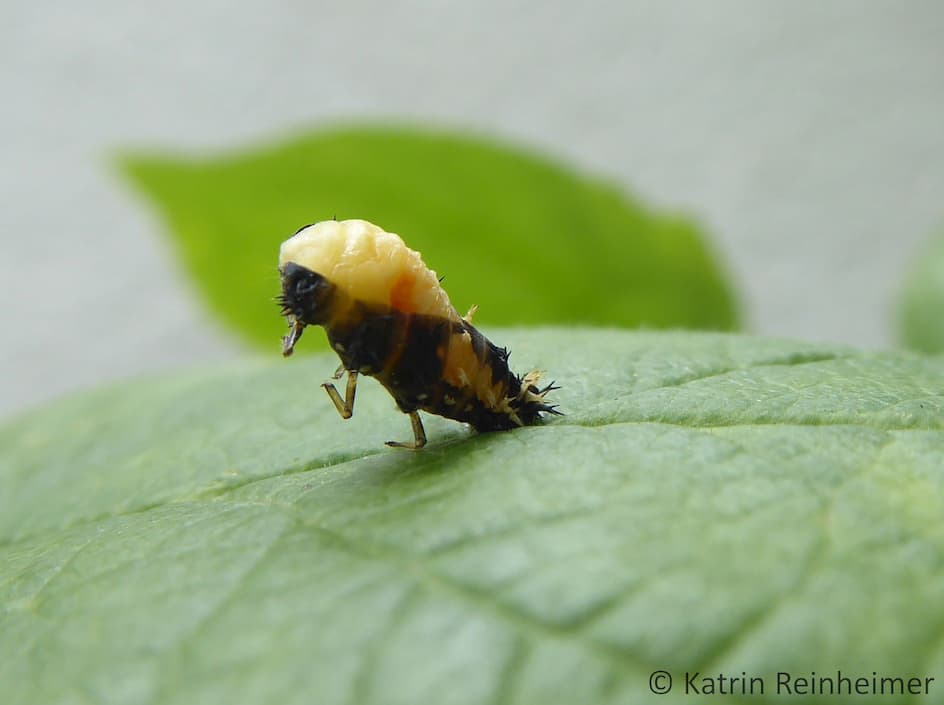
pixel 710 503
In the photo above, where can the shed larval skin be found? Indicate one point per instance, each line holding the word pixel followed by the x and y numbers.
pixel 387 316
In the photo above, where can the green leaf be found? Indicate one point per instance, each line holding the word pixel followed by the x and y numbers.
pixel 710 503
pixel 526 239
pixel 922 311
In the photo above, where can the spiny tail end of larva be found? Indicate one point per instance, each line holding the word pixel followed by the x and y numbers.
pixel 531 402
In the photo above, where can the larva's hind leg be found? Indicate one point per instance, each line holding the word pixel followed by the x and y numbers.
pixel 344 406
pixel 419 435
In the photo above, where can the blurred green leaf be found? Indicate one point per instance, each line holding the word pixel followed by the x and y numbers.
pixel 526 239
pixel 710 503
pixel 922 310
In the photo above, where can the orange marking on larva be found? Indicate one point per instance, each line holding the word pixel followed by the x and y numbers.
pixel 401 293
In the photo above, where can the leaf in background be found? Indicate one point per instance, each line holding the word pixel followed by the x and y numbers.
pixel 710 502
pixel 922 311
pixel 526 239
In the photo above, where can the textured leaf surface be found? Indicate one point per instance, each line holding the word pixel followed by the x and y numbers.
pixel 501 224
pixel 922 321
pixel 710 502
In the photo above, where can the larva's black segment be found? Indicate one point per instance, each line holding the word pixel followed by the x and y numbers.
pixel 399 349
pixel 366 340
pixel 417 373
pixel 306 295
pixel 408 353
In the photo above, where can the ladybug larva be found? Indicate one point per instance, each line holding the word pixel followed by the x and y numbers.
pixel 387 317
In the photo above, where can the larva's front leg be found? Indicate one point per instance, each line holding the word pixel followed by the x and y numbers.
pixel 344 406
pixel 419 435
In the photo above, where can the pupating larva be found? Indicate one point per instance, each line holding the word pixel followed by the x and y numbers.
pixel 387 317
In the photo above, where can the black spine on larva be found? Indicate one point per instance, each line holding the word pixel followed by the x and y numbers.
pixel 530 410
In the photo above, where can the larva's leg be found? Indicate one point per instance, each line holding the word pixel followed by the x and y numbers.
pixel 419 435
pixel 468 317
pixel 288 341
pixel 339 373
pixel 344 406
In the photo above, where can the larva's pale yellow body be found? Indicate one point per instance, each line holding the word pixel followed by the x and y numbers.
pixel 369 264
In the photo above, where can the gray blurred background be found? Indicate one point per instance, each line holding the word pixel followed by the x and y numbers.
pixel 807 138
